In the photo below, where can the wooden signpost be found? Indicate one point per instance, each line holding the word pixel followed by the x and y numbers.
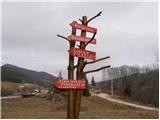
pixel 81 39
pixel 70 84
pixel 83 27
pixel 82 53
pixel 75 87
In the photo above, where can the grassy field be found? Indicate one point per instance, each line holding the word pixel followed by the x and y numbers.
pixel 92 107
pixel 11 88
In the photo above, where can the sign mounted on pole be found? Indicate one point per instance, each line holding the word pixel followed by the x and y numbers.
pixel 82 53
pixel 81 39
pixel 70 84
pixel 84 27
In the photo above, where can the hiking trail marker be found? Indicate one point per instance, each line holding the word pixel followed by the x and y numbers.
pixel 74 96
pixel 70 84
pixel 84 27
pixel 81 39
pixel 82 53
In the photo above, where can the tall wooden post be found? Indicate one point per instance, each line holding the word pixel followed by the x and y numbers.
pixel 71 92
pixel 79 72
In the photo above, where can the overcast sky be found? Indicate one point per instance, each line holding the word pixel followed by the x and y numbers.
pixel 128 32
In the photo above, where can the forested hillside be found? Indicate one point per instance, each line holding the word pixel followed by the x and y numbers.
pixel 16 74
pixel 141 84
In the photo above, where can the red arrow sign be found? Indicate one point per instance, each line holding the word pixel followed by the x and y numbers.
pixel 82 53
pixel 81 39
pixel 70 84
pixel 83 27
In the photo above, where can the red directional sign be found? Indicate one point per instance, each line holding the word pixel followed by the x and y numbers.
pixel 84 27
pixel 70 84
pixel 82 39
pixel 82 53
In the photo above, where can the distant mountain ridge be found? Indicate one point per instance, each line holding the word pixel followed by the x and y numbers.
pixel 14 73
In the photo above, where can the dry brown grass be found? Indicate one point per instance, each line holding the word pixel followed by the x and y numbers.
pixel 9 85
pixel 11 88
pixel 102 109
pixel 92 107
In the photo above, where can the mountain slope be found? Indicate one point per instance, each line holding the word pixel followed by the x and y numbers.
pixel 21 75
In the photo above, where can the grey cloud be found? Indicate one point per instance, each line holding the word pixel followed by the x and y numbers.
pixel 128 32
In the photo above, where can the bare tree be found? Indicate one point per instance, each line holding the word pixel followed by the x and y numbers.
pixel 139 83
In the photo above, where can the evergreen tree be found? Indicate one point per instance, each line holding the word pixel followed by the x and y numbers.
pixel 60 75
pixel 93 82
pixel 86 91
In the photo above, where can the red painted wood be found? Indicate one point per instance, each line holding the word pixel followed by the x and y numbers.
pixel 83 27
pixel 82 53
pixel 81 39
pixel 70 84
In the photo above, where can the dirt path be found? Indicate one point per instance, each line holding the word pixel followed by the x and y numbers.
pixel 8 97
pixel 108 97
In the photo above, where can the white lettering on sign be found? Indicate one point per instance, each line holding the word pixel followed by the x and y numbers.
pixel 82 53
pixel 71 84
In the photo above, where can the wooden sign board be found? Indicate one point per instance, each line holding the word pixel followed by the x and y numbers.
pixel 81 39
pixel 82 53
pixel 83 27
pixel 70 84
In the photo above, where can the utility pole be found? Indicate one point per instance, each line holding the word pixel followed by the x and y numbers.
pixel 112 87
